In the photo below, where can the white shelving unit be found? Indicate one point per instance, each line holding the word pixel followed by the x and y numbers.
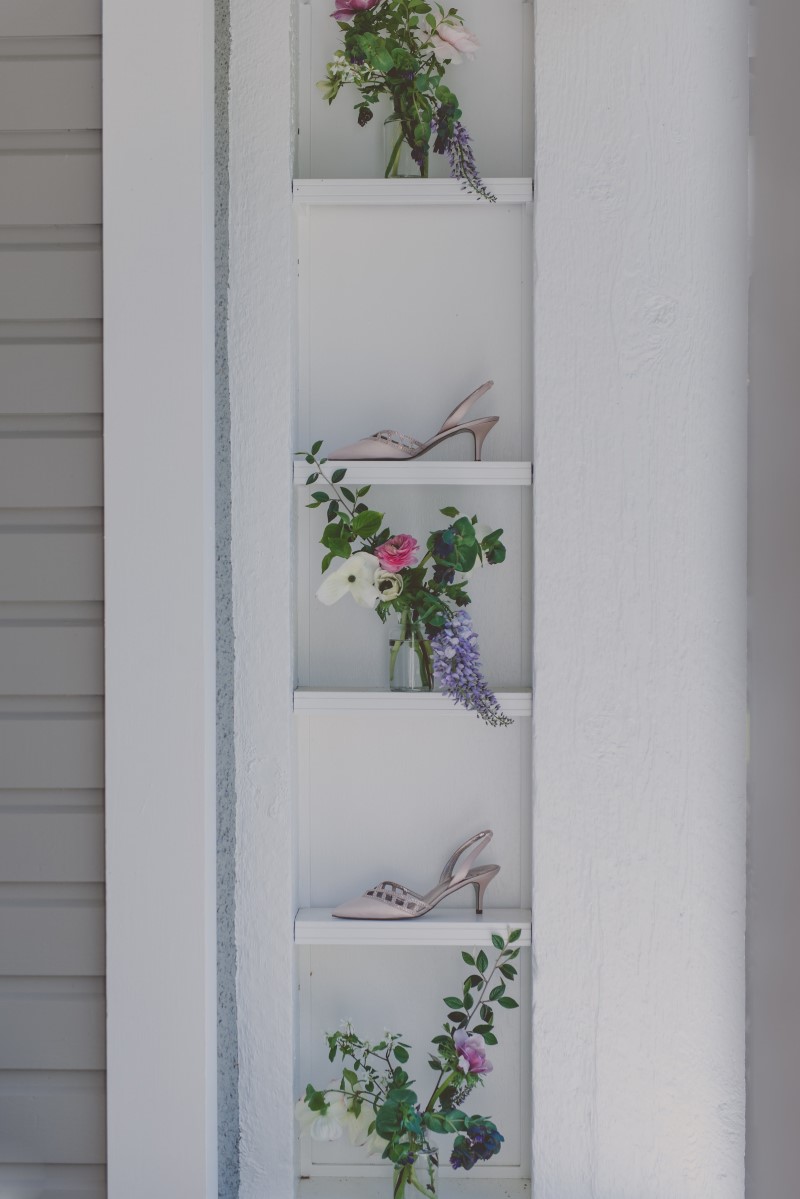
pixel 442 926
pixel 320 700
pixel 405 192
pixel 449 1188
pixel 423 472
pixel 411 292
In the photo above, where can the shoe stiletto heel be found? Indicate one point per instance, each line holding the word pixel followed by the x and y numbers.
pixel 390 446
pixel 391 901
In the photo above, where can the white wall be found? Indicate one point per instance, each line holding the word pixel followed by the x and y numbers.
pixel 773 1146
pixel 639 643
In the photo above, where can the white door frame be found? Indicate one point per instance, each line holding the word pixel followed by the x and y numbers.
pixel 158 171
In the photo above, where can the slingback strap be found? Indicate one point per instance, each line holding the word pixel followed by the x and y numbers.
pixel 480 841
pixel 461 410
pixel 409 445
pixel 397 896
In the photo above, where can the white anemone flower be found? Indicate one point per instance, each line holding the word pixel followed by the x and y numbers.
pixel 356 575
pixel 326 1128
pixel 304 1115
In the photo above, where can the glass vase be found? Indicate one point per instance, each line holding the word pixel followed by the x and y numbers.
pixel 410 658
pixel 406 1181
pixel 397 152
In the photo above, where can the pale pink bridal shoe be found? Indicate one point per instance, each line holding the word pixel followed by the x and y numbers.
pixel 390 446
pixel 391 901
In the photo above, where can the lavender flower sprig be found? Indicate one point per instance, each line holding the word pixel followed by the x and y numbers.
pixel 457 665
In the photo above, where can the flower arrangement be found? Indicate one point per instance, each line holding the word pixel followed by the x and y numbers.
pixel 428 592
pixel 374 1101
pixel 402 49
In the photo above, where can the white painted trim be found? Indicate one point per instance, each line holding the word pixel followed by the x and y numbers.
pixel 159 471
pixel 434 474
pixel 401 192
pixel 443 926
pixel 319 701
pixel 261 355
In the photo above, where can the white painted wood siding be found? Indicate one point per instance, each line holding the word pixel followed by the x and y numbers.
pixel 52 915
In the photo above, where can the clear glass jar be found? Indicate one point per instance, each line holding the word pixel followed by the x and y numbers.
pixel 410 658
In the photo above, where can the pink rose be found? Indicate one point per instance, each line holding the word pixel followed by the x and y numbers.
pixel 472 1053
pixel 345 9
pixel 451 41
pixel 397 552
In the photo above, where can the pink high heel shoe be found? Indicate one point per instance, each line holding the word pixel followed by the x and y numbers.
pixel 390 446
pixel 391 901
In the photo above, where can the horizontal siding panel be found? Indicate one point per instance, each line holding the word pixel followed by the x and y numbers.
pixel 52 1182
pixel 46 660
pixel 47 1117
pixel 46 846
pixel 50 567
pixel 41 752
pixel 49 18
pixel 52 1024
pixel 51 472
pixel 50 936
pixel 50 93
pixel 50 189
pixel 44 379
pixel 51 283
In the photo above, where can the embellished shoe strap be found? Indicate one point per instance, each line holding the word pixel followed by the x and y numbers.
pixel 397 896
pixel 401 441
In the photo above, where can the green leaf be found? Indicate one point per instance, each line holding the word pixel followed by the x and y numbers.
pixel 367 523
pixel 338 475
pixel 508 971
pixel 322 496
pixel 507 1001
pixel 487 1014
pixel 309 460
pixel 316 447
pixel 468 958
pixel 363 490
pixel 326 561
pixel 515 935
pixel 351 1077
pixel 490 1038
pixel 451 1001
pixel 400 1053
pixel 496 992
pixel 482 962
pixel 498 941
pixel 312 479
pixel 456 1017
pixel 348 495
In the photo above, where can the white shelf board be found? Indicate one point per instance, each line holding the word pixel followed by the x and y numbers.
pixel 422 471
pixel 322 700
pixel 401 192
pixel 442 926
pixel 448 1188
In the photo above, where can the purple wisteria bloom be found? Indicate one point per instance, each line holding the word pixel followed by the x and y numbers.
pixel 460 155
pixel 457 665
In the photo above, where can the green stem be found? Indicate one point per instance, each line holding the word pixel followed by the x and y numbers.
pixel 391 166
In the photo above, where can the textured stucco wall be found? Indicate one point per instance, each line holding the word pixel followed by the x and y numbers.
pixel 640 599
pixel 227 1049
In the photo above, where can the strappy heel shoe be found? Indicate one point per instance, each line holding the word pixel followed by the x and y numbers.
pixel 390 446
pixel 391 901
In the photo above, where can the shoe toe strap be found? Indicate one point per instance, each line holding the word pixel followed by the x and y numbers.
pixel 397 896
pixel 402 441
